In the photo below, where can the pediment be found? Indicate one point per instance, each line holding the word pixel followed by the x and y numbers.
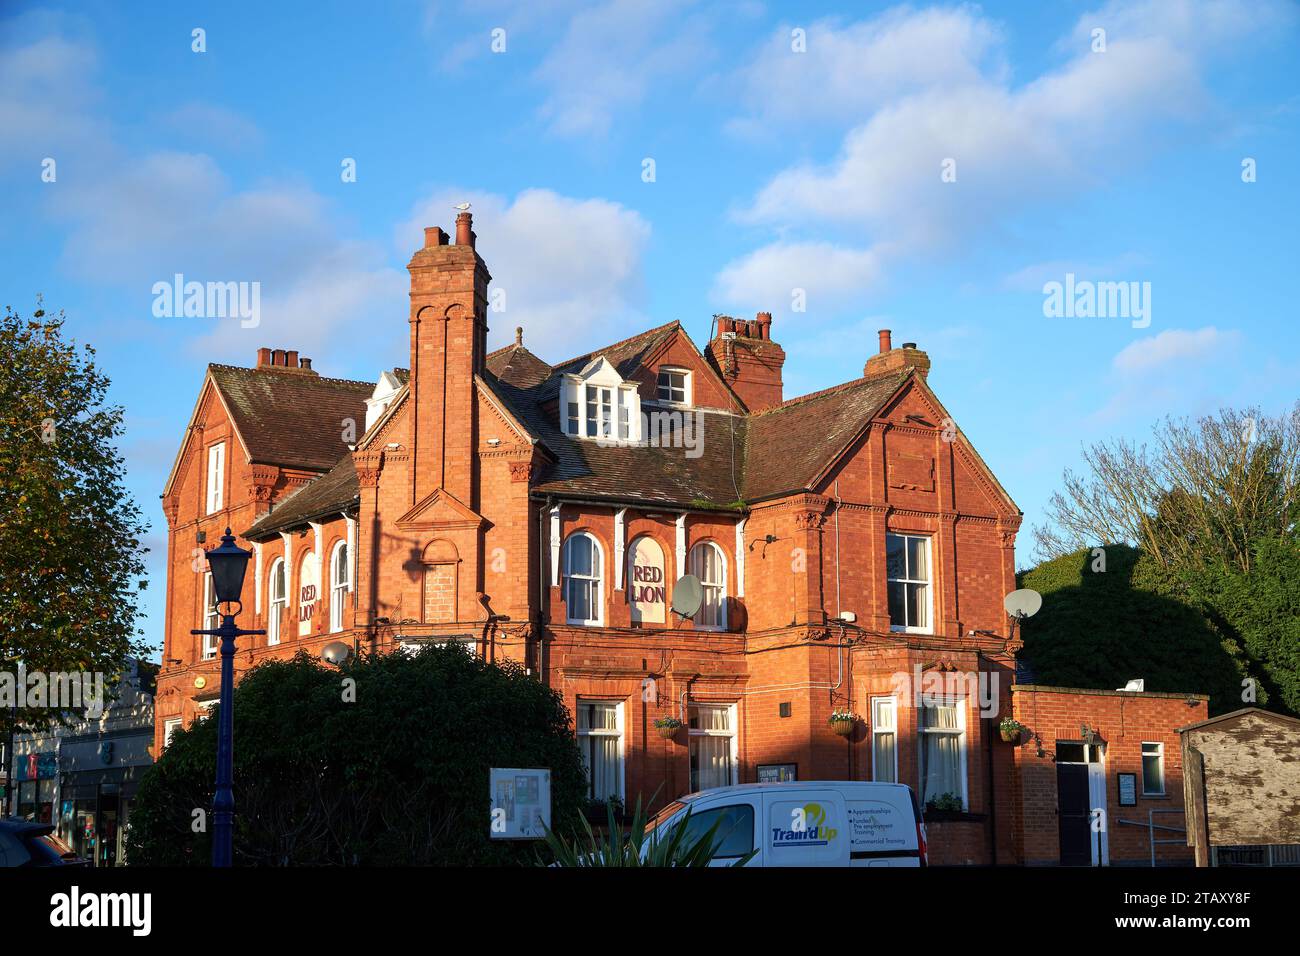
pixel 440 510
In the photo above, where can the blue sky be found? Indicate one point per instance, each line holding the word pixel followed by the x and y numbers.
pixel 775 169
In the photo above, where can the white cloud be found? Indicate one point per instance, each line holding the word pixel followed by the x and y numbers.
pixel 570 269
pixel 1050 139
pixel 770 278
pixel 610 58
pixel 46 101
pixel 855 68
pixel 1171 347
pixel 214 125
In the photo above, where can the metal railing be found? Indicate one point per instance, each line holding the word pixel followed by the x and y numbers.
pixel 1152 827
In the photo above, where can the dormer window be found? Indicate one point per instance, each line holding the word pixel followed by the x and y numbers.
pixel 674 386
pixel 597 403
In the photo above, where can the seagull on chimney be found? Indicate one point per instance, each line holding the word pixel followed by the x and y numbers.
pixel 461 207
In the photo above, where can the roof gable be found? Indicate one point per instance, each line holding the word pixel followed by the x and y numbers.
pixel 290 419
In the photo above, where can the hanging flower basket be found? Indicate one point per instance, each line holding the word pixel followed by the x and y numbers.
pixel 843 723
pixel 1011 730
pixel 668 727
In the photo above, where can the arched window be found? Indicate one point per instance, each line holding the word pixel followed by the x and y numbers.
pixel 584 591
pixel 710 565
pixel 339 581
pixel 278 589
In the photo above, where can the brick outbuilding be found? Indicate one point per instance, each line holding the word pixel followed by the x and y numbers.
pixel 850 549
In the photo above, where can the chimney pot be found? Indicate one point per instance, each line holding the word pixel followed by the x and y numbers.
pixel 304 363
pixel 765 325
pixel 519 335
pixel 726 324
pixel 263 357
pixel 885 345
pixel 291 358
pixel 464 230
pixel 434 236
pixel 277 357
pixel 909 345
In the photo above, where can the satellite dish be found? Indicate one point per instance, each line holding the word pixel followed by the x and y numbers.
pixel 688 595
pixel 336 652
pixel 1023 603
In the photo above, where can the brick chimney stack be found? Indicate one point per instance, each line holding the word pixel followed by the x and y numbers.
pixel 448 348
pixel 890 359
pixel 282 360
pixel 743 353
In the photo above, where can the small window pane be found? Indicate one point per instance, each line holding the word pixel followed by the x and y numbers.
pixel 895 556
pixel 918 565
pixel 898 603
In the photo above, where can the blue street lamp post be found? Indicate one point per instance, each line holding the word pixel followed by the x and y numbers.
pixel 227 564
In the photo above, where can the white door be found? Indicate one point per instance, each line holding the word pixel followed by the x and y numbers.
pixel 1098 816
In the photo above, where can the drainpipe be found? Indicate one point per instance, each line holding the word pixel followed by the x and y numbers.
pixel 542 589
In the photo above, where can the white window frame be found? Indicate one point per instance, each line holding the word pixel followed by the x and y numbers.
pixel 1159 755
pixel 599 405
pixel 598 601
pixel 170 726
pixel 960 732
pixel 928 582
pixel 732 733
pixel 412 647
pixel 670 370
pixel 700 546
pixel 276 606
pixel 211 618
pixel 339 587
pixel 215 486
pixel 618 732
pixel 878 728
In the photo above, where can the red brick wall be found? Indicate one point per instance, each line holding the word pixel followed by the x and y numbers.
pixel 1125 721
pixel 449 543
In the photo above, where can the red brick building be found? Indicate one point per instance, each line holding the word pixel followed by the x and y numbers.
pixel 848 543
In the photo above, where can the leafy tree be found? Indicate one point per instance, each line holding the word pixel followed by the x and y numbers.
pixel 70 537
pixel 383 761
pixel 1200 495
pixel 1109 615
pixel 1260 611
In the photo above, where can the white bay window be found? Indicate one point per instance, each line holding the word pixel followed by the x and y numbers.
pixel 600 739
pixel 943 754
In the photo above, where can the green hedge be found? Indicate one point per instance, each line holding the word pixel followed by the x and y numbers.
pixel 398 777
pixel 1102 628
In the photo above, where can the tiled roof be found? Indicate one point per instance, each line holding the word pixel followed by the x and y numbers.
pixel 332 492
pixel 518 366
pixel 291 419
pixel 744 458
pixel 789 445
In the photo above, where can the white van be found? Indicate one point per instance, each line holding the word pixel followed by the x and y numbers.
pixel 819 823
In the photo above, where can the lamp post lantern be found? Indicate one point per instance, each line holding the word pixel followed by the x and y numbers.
pixel 228 563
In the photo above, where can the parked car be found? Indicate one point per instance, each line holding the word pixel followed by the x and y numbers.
pixel 819 823
pixel 24 843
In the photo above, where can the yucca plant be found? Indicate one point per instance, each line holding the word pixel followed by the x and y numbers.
pixel 635 847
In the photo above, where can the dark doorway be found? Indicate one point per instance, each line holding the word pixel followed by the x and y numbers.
pixel 1073 813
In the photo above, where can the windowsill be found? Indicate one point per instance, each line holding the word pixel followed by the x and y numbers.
pixel 584 623
pixel 911 630
pixel 953 816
